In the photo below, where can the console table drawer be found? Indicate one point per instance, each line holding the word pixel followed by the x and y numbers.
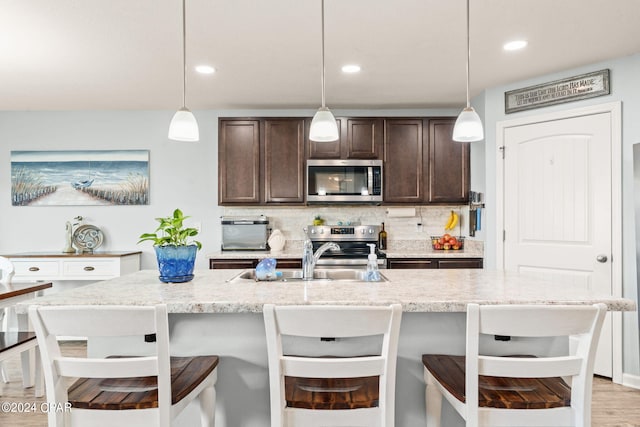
pixel 90 268
pixel 36 269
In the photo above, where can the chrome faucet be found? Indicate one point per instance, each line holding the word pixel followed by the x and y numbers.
pixel 309 258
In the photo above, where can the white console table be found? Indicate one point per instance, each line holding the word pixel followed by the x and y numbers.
pixel 58 266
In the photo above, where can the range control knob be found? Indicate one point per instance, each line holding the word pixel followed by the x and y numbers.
pixel 371 231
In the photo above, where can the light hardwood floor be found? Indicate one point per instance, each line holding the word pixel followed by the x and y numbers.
pixel 613 405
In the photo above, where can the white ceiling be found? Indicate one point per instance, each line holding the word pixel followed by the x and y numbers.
pixel 126 54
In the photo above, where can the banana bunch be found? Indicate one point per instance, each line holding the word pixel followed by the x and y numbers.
pixel 452 221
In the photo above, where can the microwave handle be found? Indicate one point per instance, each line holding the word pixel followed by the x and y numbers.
pixel 370 179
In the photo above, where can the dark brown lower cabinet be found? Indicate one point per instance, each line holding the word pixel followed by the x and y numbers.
pixel 417 263
pixel 245 263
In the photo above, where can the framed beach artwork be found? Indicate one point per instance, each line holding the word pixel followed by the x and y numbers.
pixel 80 178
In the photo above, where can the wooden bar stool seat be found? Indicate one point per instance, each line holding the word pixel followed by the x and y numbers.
pixel 149 389
pixel 355 390
pixel 142 392
pixel 332 393
pixel 499 392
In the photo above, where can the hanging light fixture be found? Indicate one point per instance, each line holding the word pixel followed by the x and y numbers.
pixel 468 127
pixel 323 125
pixel 184 126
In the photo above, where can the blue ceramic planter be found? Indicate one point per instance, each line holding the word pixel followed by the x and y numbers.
pixel 176 262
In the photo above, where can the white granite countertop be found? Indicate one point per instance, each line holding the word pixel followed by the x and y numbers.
pixel 212 291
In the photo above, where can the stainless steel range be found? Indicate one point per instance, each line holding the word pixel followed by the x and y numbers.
pixel 353 241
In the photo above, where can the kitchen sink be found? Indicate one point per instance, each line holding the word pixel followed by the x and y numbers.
pixel 339 275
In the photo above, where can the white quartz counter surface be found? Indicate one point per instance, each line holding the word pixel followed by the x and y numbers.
pixel 213 291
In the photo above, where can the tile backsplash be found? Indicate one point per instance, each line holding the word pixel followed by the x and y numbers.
pixel 401 223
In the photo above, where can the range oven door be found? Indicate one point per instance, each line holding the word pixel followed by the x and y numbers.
pixel 352 263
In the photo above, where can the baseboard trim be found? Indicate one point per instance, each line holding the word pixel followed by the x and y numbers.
pixel 632 381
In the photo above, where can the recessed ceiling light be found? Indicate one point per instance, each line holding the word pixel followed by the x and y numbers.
pixel 515 45
pixel 352 68
pixel 205 69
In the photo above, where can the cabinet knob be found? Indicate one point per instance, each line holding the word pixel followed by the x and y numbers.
pixel 601 258
pixel 89 268
pixel 34 268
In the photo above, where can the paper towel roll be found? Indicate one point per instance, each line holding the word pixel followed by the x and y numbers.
pixel 401 212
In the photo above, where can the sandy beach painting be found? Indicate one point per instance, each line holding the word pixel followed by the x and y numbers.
pixel 80 177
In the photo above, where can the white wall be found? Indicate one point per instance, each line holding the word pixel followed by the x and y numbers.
pixel 183 175
pixel 624 88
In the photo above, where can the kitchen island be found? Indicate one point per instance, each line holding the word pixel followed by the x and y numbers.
pixel 217 313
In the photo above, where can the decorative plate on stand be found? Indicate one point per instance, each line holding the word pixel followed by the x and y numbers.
pixel 87 238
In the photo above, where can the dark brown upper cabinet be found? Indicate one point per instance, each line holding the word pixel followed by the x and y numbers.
pixel 422 163
pixel 403 161
pixel 239 161
pixel 448 164
pixel 360 138
pixel 284 160
pixel 261 161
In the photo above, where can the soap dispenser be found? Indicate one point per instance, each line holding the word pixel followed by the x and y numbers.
pixel 373 275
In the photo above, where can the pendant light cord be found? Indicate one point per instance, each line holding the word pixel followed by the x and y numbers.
pixel 184 55
pixel 322 76
pixel 468 55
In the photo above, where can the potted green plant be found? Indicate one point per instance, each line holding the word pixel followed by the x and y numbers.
pixel 175 249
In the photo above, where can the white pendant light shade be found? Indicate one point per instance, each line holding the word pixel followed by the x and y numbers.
pixel 184 126
pixel 468 127
pixel 323 126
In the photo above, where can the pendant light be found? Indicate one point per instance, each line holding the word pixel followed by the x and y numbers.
pixel 468 127
pixel 323 125
pixel 184 126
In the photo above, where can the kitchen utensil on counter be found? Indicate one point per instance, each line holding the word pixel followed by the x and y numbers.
pixel 276 241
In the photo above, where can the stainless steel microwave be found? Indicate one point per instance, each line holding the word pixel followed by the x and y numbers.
pixel 344 181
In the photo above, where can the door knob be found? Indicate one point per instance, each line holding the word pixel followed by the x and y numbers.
pixel 601 258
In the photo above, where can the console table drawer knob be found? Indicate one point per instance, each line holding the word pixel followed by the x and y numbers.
pixel 89 268
pixel 34 268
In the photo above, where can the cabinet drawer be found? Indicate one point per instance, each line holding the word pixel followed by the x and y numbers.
pixel 36 269
pixel 90 268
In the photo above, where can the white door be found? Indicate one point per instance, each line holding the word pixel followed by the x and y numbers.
pixel 558 206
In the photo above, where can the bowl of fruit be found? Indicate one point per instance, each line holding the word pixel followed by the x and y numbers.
pixel 447 242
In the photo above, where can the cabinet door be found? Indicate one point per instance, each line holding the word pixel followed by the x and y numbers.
pixel 284 160
pixel 403 160
pixel 412 263
pixel 288 263
pixel 364 138
pixel 326 150
pixel 460 263
pixel 448 164
pixel 226 263
pixel 238 161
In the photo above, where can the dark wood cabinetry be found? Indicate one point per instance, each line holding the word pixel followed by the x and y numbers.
pixel 448 164
pixel 423 263
pixel 422 164
pixel 261 161
pixel 284 160
pixel 360 138
pixel 245 263
pixel 238 161
pixel 403 161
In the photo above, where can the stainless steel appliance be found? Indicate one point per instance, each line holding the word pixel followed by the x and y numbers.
pixel 344 181
pixel 244 233
pixel 352 240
